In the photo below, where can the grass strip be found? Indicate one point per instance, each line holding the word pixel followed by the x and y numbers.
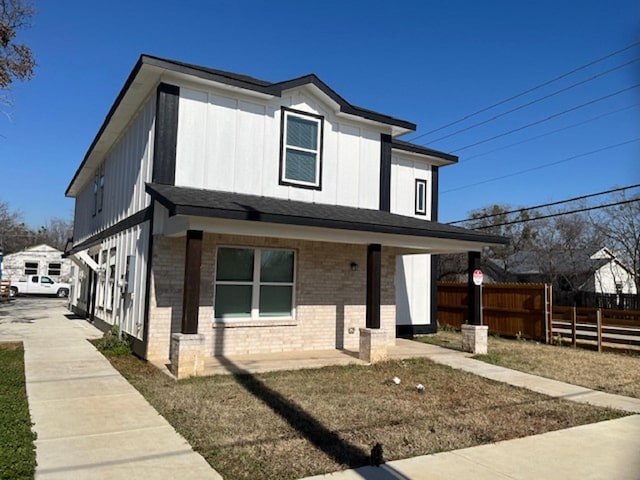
pixel 17 451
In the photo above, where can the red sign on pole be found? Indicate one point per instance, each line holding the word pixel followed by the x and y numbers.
pixel 477 277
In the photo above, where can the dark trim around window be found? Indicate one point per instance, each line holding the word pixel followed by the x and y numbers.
pixel 281 179
pixel 385 172
pixel 422 197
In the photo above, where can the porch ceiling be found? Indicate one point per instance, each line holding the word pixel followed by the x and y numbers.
pixel 225 212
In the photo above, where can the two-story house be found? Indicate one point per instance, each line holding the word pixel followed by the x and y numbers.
pixel 255 216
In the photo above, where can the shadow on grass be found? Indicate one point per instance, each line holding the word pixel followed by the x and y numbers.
pixel 321 437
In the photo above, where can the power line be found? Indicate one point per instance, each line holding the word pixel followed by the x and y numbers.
pixel 532 89
pixel 466 159
pixel 539 167
pixel 538 122
pixel 532 102
pixel 536 207
pixel 559 214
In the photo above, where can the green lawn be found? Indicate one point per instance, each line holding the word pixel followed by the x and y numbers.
pixel 17 449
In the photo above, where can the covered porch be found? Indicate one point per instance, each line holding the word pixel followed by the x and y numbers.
pixel 210 220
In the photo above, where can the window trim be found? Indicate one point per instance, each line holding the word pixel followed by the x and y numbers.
pixel 420 183
pixel 255 318
pixel 319 119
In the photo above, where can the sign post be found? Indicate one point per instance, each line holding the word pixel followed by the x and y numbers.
pixel 478 278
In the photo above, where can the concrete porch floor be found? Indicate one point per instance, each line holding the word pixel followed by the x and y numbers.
pixel 270 362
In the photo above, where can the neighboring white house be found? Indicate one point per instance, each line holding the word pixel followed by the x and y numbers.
pixel 582 270
pixel 263 217
pixel 611 275
pixel 37 260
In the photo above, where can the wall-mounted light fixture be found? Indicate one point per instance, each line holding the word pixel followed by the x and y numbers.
pixel 354 266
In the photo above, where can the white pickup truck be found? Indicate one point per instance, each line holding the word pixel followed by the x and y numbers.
pixel 39 285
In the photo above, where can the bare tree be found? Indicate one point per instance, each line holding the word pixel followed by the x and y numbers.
pixel 14 234
pixel 620 225
pixel 564 247
pixel 16 59
pixel 55 233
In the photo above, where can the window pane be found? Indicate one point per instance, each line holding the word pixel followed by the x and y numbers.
pixel 233 301
pixel 276 266
pixel 302 133
pixel 235 264
pixel 275 301
pixel 300 166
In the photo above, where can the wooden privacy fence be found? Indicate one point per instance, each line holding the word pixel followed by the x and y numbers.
pixel 526 310
pixel 509 309
pixel 596 327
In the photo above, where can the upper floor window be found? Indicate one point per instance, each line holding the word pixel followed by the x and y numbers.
pixel 301 149
pixel 421 197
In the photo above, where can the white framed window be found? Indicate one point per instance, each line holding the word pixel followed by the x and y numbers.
pixel 421 197
pixel 111 279
pixel 31 268
pixel 254 284
pixel 54 268
pixel 301 149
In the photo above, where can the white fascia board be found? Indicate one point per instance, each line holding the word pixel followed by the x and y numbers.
pixel 437 161
pixel 178 225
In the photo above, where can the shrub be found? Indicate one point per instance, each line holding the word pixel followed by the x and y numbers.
pixel 113 344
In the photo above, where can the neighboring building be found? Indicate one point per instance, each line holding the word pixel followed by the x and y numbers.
pixel 600 272
pixel 37 260
pixel 265 217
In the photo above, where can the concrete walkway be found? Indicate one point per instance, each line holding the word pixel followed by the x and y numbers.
pixel 599 451
pixel 90 422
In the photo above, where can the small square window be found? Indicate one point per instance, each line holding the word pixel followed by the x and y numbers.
pixel 301 149
pixel 421 197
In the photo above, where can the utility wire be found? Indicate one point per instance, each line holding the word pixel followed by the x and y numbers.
pixel 559 214
pixel 532 89
pixel 539 167
pixel 550 117
pixel 532 102
pixel 560 202
pixel 471 157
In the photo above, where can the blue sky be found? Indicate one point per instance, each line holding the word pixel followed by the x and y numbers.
pixel 429 62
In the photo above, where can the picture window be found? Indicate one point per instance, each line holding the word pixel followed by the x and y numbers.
pixel 254 283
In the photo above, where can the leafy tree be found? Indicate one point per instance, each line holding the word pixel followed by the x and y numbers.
pixel 16 59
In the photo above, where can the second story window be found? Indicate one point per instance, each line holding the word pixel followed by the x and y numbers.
pixel 421 197
pixel 301 149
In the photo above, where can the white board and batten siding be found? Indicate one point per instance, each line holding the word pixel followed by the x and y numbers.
pixel 233 144
pixel 127 167
pixel 413 272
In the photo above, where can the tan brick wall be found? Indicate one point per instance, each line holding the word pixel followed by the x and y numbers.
pixel 329 297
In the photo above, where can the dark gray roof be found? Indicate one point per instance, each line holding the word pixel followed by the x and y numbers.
pixel 275 89
pixel 211 203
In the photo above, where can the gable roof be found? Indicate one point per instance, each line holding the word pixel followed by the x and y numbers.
pixel 149 70
pixel 235 206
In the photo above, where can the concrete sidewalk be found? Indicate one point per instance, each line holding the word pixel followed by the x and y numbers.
pixel 90 422
pixel 599 451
